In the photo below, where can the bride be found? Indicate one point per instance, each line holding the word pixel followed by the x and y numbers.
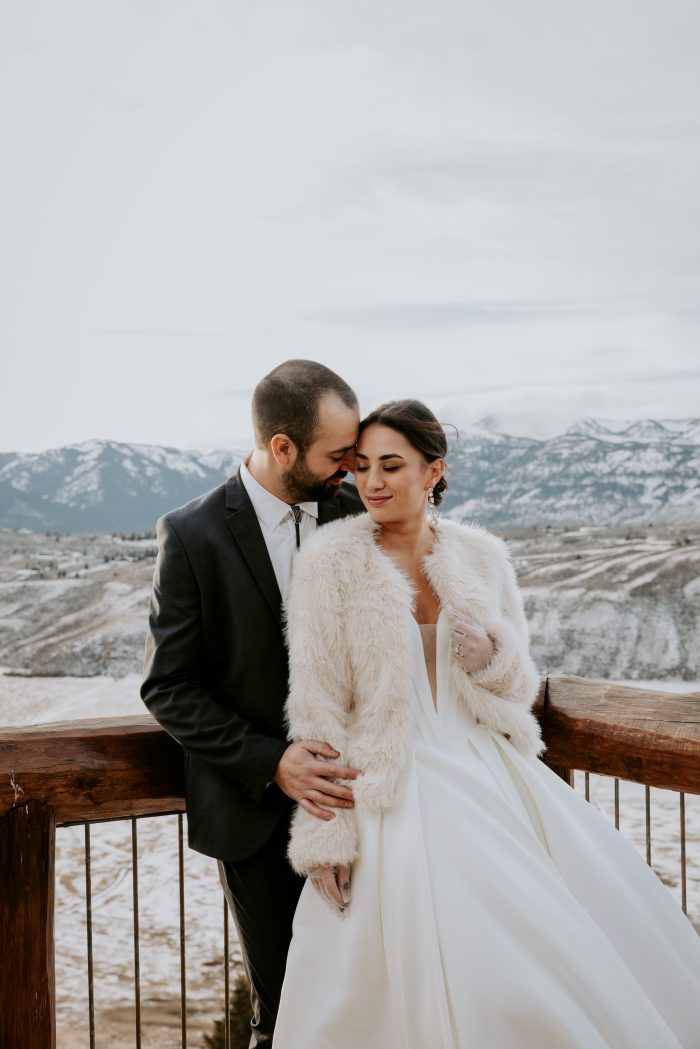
pixel 471 899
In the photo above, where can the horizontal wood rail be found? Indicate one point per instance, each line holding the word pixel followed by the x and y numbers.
pixel 119 767
pixel 82 771
pixel 106 768
pixel 635 734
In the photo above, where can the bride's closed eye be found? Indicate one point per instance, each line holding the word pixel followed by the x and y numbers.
pixel 387 469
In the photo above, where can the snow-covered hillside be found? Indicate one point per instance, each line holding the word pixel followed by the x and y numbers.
pixel 608 603
pixel 621 603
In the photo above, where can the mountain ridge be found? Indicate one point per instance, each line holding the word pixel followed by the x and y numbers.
pixel 614 472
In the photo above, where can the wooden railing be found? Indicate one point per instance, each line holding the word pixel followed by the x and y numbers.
pixel 644 736
pixel 53 775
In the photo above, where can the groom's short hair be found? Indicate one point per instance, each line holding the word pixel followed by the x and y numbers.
pixel 287 401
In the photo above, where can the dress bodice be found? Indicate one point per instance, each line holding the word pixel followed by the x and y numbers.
pixel 428 633
pixel 440 719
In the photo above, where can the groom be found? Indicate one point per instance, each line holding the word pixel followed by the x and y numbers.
pixel 215 672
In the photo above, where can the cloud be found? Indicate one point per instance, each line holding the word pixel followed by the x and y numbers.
pixel 164 334
pixel 588 384
pixel 234 395
pixel 426 315
pixel 503 192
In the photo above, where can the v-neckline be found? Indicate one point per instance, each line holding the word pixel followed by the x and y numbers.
pixel 429 691
pixel 428 624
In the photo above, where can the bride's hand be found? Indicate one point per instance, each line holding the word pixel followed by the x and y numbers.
pixel 333 886
pixel 472 648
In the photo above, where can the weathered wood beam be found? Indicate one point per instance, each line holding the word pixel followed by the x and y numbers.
pixel 111 768
pixel 637 734
pixel 90 770
pixel 27 975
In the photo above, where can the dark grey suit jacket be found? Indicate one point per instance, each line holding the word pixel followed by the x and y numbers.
pixel 215 674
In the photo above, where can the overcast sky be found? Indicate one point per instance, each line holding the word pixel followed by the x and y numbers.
pixel 492 205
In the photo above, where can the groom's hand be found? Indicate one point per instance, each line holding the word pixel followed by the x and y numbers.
pixel 307 780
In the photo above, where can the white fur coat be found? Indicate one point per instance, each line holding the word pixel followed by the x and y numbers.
pixel 349 635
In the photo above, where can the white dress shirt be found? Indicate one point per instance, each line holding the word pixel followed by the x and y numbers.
pixel 277 526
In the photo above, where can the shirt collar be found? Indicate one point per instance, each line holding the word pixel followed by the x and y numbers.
pixel 271 510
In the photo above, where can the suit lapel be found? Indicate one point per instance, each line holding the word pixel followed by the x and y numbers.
pixel 328 510
pixel 243 524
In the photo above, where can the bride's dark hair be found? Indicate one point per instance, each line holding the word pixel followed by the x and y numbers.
pixel 419 426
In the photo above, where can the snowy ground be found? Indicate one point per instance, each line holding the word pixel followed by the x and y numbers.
pixel 113 943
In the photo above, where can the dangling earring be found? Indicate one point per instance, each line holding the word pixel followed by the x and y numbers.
pixel 432 512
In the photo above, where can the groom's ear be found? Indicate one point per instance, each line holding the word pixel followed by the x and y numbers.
pixel 283 449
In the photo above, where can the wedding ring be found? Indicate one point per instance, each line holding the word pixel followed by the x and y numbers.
pixel 459 649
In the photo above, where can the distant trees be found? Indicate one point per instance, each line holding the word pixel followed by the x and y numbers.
pixel 134 537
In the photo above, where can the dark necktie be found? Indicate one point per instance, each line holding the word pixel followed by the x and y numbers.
pixel 296 514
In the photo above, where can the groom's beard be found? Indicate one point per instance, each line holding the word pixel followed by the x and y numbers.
pixel 303 486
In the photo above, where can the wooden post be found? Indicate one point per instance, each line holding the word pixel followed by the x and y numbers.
pixel 27 982
pixel 566 774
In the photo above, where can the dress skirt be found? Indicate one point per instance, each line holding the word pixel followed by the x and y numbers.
pixel 492 908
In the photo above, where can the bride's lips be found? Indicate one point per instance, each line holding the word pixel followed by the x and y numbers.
pixel 378 500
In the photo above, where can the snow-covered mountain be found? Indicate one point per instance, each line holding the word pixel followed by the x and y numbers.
pixel 104 486
pixel 599 472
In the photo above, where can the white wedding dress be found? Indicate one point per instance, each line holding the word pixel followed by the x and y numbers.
pixel 492 908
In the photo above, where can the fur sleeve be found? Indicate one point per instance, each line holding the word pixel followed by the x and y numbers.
pixel 318 703
pixel 511 674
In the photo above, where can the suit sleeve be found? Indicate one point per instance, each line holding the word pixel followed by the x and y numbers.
pixel 318 706
pixel 172 687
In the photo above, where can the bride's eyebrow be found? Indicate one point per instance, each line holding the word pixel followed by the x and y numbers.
pixel 390 455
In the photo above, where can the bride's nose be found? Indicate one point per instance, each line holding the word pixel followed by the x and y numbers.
pixel 376 481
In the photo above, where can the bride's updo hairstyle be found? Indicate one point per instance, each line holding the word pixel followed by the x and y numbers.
pixel 419 426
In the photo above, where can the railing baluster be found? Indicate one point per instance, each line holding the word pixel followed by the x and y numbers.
pixel 647 818
pixel 587 785
pixel 227 992
pixel 617 803
pixel 684 898
pixel 88 908
pixel 183 989
pixel 135 895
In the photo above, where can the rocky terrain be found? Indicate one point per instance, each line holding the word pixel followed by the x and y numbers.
pixel 607 603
